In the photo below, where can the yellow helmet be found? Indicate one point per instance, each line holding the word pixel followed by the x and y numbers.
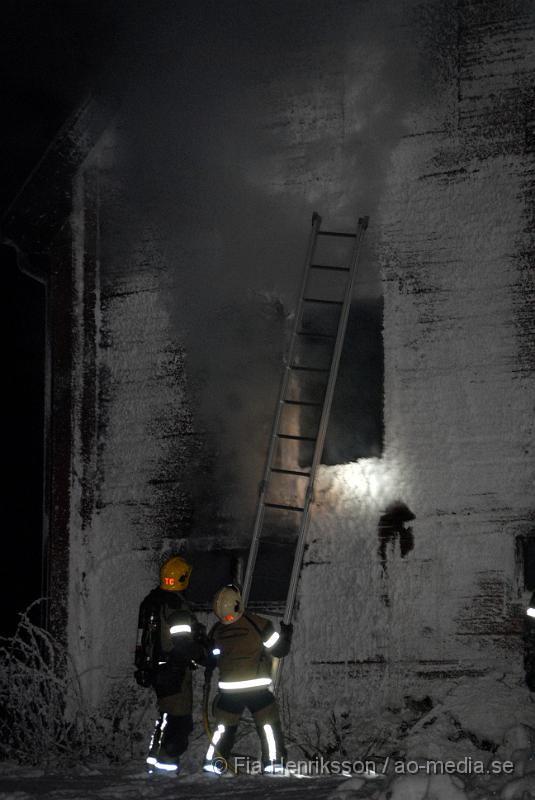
pixel 228 604
pixel 174 574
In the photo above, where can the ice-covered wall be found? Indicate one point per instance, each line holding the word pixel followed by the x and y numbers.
pixel 456 245
pixel 167 271
pixel 132 424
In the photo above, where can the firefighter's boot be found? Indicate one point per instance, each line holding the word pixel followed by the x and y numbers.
pixel 169 741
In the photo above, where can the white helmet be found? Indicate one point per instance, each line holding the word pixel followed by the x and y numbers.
pixel 228 604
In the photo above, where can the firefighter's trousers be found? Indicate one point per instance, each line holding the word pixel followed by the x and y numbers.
pixel 175 723
pixel 228 709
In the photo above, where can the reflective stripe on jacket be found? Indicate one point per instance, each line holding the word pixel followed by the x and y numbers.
pixel 244 658
pixel 166 630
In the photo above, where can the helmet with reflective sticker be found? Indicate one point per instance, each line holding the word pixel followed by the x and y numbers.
pixel 174 574
pixel 228 604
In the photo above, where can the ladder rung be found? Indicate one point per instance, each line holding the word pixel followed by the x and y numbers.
pixel 324 266
pixel 298 438
pixel 309 369
pixel 317 335
pixel 287 534
pixel 290 472
pixel 325 302
pixel 336 233
pixel 286 508
pixel 302 403
pixel 276 543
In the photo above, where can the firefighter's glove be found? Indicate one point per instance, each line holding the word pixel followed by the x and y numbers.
pixel 287 631
pixel 143 678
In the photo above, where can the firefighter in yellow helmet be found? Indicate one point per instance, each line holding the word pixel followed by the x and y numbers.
pixel 170 642
pixel 242 646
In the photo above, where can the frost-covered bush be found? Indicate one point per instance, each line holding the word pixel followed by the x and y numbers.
pixel 43 717
pixel 37 682
pixel 122 727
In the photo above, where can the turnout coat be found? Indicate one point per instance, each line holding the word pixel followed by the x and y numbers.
pixel 244 650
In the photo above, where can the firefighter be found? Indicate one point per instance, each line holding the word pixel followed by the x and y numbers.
pixel 529 644
pixel 242 648
pixel 170 643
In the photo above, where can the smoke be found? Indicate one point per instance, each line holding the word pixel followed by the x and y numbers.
pixel 244 118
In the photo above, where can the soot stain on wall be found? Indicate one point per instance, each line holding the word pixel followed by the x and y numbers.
pixel 391 529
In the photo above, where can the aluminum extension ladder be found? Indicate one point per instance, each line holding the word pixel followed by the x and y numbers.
pixel 304 403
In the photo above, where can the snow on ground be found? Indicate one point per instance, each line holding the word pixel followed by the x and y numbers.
pixel 131 783
pixel 419 780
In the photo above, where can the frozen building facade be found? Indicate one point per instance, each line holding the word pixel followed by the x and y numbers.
pixel 170 234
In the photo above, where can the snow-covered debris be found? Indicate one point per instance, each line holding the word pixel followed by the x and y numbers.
pixel 519 789
pixel 517 739
pixel 425 787
pixel 470 720
pixel 348 789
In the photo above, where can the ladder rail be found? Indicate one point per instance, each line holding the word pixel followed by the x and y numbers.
pixel 322 431
pixel 324 421
pixel 273 440
pixel 326 404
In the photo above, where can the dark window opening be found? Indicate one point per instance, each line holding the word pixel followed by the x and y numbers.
pixel 355 430
pixel 525 560
pixel 356 423
pixel 211 570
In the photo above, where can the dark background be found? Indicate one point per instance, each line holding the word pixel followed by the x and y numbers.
pixel 52 56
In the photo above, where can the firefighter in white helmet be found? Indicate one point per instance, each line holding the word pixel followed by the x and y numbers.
pixel 242 646
pixel 170 642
